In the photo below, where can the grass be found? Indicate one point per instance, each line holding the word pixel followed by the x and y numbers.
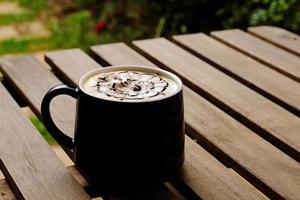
pixel 69 33
pixel 6 19
pixel 15 45
pixel 41 128
pixel 32 10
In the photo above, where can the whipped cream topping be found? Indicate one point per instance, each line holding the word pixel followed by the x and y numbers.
pixel 129 85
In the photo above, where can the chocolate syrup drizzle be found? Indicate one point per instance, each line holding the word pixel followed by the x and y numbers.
pixel 131 85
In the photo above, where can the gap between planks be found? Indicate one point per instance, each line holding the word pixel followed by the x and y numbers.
pixel 269 83
pixel 278 36
pixel 264 52
pixel 7 194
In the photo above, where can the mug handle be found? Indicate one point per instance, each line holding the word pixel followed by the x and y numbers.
pixel 58 135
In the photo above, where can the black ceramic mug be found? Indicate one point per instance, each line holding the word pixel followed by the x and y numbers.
pixel 123 143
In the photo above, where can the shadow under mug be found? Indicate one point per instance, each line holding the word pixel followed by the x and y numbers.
pixel 123 144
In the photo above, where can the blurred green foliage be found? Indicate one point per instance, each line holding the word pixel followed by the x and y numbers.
pixel 104 21
pixel 34 5
pixel 74 31
pixel 168 17
pixel 283 13
pixel 125 21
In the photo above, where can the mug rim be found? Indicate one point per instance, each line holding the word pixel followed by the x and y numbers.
pixel 168 74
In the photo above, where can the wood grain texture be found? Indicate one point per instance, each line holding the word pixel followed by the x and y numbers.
pixel 246 150
pixel 272 56
pixel 118 54
pixel 5 191
pixel 198 163
pixel 259 77
pixel 65 57
pixel 7 194
pixel 31 168
pixel 258 113
pixel 1 198
pixel 32 80
pixel 278 36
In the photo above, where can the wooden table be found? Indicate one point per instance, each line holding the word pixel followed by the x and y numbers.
pixel 242 108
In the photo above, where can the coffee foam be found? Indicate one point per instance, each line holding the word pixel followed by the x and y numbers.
pixel 130 85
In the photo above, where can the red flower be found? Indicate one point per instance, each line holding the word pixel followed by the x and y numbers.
pixel 100 26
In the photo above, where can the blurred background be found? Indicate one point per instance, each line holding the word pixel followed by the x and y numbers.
pixel 36 25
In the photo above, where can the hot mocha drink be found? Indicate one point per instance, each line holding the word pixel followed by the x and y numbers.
pixel 132 118
pixel 130 85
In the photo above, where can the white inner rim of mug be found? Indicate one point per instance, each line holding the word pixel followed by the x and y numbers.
pixel 161 72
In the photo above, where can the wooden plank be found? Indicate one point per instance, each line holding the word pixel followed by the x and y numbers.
pixel 258 113
pixel 274 57
pixel 198 162
pixel 75 67
pixel 29 165
pixel 38 83
pixel 32 80
pixel 246 150
pixel 266 81
pixel 118 53
pixel 7 194
pixel 5 191
pixel 278 36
